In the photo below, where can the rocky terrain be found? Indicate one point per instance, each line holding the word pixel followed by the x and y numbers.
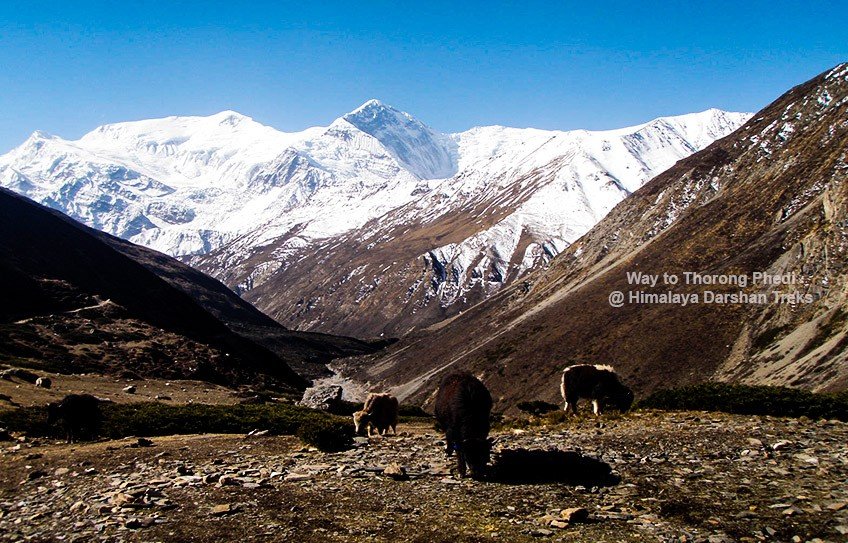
pixel 646 476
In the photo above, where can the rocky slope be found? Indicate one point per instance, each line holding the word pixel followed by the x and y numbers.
pixel 79 300
pixel 393 210
pixel 771 198
pixel 695 477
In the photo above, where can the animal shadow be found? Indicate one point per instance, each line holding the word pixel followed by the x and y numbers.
pixel 536 466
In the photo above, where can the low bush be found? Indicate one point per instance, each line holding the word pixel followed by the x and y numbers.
pixel 327 434
pixel 157 419
pixel 751 400
pixel 537 407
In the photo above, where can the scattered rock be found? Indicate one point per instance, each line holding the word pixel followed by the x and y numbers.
pixel 79 507
pixel 575 514
pixel 228 480
pixel 649 503
pixel 121 499
pixel 36 474
pixel 396 472
pixel 136 523
pixel 223 509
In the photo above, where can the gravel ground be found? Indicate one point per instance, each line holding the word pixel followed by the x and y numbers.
pixel 648 476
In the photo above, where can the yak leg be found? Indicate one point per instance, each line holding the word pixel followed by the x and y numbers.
pixel 460 463
pixel 572 403
pixel 596 407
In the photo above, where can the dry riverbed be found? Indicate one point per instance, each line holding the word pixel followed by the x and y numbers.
pixel 649 476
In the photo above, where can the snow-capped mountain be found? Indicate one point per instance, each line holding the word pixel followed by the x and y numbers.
pixel 246 202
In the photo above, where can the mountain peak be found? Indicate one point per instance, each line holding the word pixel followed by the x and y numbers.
pixel 229 117
pixel 40 135
pixel 371 104
pixel 375 111
pixel 421 150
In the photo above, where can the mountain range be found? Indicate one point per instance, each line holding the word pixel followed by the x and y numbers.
pixel 374 225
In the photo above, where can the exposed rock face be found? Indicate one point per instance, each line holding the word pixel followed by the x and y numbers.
pixel 772 198
pixel 324 398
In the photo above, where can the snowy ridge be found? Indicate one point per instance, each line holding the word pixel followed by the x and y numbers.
pixel 192 185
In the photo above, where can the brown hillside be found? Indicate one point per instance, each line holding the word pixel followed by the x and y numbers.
pixel 771 197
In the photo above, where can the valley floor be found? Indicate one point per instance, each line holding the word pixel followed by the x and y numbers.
pixel 683 477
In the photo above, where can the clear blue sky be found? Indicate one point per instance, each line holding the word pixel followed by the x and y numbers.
pixel 66 67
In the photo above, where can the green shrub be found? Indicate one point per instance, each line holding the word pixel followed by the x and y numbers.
pixel 751 400
pixel 158 419
pixel 328 434
pixel 32 420
pixel 537 407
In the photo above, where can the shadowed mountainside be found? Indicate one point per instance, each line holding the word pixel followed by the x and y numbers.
pixel 80 300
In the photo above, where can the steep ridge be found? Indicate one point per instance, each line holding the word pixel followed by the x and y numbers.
pixel 80 300
pixel 770 198
pixel 248 204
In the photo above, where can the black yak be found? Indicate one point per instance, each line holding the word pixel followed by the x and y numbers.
pixel 463 405
pixel 380 411
pixel 80 416
pixel 597 383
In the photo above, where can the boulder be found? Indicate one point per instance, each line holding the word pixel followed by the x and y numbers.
pixel 325 398
pixel 20 373
pixel 396 472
